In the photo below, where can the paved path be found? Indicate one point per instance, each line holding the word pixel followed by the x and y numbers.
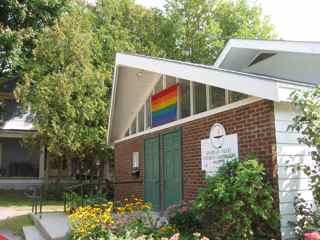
pixel 6 212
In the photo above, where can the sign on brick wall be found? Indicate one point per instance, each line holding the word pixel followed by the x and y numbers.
pixel 218 149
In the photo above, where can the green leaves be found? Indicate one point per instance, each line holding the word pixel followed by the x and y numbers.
pixel 67 90
pixel 200 28
pixel 307 122
pixel 238 203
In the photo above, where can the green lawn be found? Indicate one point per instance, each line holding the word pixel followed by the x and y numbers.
pixel 10 198
pixel 15 224
pixel 19 205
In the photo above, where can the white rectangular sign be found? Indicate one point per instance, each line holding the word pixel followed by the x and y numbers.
pixel 213 158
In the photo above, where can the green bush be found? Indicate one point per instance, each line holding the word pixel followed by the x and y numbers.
pixel 238 203
pixel 308 217
pixel 184 218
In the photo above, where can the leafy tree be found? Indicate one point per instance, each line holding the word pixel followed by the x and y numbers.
pixel 20 22
pixel 202 27
pixel 66 90
pixel 307 122
pixel 123 26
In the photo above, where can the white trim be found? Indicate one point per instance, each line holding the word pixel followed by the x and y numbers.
pixel 192 105
pixel 113 99
pixel 137 122
pixel 226 95
pixel 194 117
pixel 285 90
pixel 164 82
pixel 260 86
pixel 208 97
pixel 249 84
pixel 178 100
pixel 278 46
pixel 145 116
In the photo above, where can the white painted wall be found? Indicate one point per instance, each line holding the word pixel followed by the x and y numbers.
pixel 289 152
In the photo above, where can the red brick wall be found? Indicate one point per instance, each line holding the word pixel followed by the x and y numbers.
pixel 254 124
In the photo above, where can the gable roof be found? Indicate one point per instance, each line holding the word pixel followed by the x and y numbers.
pixel 136 75
pixel 296 62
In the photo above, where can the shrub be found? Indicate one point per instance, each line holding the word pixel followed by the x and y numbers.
pixel 238 203
pixel 123 221
pixel 183 218
pixel 308 219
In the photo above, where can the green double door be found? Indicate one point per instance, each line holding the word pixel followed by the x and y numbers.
pixel 162 170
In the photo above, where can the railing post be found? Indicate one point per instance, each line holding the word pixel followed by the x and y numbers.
pixel 64 202
pixel 81 195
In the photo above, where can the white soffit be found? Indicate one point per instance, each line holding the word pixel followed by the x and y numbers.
pixel 269 45
pixel 295 62
pixel 131 88
pixel 135 77
pixel 259 86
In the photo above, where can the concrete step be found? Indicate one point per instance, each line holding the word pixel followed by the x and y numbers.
pixel 53 226
pixel 32 233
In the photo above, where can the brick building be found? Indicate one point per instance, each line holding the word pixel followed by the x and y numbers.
pixel 172 123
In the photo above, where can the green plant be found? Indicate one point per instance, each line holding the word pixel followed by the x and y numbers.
pixel 308 219
pixel 183 218
pixel 238 203
pixel 307 122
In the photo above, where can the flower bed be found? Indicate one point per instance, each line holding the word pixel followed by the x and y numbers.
pixel 127 220
pixel 237 203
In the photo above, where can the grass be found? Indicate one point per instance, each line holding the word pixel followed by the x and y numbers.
pixel 18 203
pixel 9 198
pixel 15 224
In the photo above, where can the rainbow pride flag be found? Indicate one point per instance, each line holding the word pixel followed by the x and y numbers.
pixel 164 106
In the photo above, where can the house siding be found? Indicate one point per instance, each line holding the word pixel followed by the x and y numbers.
pixel 289 153
pixel 254 124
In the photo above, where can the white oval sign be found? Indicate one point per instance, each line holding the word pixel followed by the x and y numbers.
pixel 217 134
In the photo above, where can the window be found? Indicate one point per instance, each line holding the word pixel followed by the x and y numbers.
pixel 184 98
pixel 236 96
pixel 148 109
pixel 217 97
pixel 134 127
pixel 141 120
pixel 159 86
pixel 170 81
pixel 200 99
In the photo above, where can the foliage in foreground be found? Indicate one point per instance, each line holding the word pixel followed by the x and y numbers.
pixel 308 219
pixel 127 220
pixel 15 224
pixel 307 122
pixel 238 203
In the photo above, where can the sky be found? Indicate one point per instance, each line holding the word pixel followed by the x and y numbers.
pixel 293 19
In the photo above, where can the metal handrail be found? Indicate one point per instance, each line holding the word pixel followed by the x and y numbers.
pixel 36 199
pixel 71 189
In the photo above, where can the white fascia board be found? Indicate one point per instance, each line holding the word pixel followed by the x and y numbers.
pixel 241 82
pixel 223 54
pixel 113 98
pixel 285 90
pixel 269 45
